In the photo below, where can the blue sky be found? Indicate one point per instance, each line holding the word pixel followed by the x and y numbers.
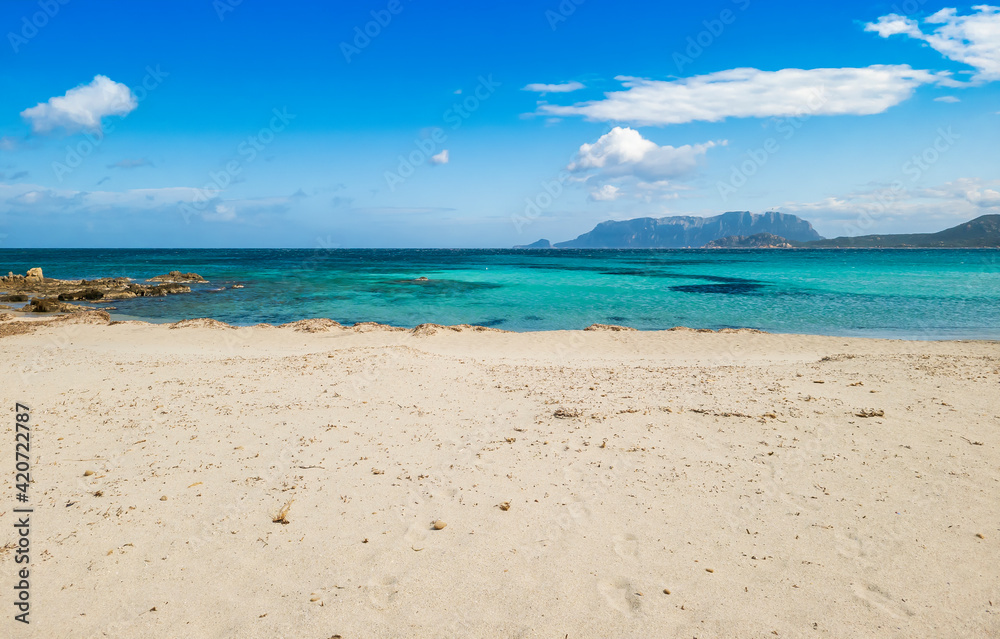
pixel 201 123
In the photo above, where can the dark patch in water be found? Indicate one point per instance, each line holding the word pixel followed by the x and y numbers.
pixel 729 288
pixel 677 276
pixel 430 287
pixel 490 322
pixel 617 318
pixel 533 318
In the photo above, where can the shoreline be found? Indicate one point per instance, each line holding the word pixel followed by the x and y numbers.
pixel 319 324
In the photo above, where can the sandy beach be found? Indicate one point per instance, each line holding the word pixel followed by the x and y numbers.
pixel 592 483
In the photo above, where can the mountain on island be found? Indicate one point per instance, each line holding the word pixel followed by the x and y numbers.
pixel 540 244
pixel 982 232
pixel 684 231
pixel 760 240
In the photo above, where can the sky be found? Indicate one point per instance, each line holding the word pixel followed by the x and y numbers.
pixel 411 123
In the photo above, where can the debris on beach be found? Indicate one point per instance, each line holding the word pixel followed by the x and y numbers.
pixel 870 412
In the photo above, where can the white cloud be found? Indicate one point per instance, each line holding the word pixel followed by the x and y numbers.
pixel 975 191
pixel 606 193
pixel 7 143
pixel 565 87
pixel 888 209
pixel 441 158
pixel 624 152
pixel 973 39
pixel 950 99
pixel 746 92
pixel 82 108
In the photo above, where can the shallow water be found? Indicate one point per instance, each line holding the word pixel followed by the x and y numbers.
pixel 922 294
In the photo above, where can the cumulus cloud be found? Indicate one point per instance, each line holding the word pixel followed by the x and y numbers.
pixel 972 39
pixel 82 108
pixel 624 152
pixel 441 158
pixel 566 87
pixel 746 92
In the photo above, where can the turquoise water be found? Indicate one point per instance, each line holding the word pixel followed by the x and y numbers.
pixel 922 294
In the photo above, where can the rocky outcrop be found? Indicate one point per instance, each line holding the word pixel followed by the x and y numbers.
pixel 50 305
pixel 89 294
pixel 145 290
pixel 47 295
pixel 177 276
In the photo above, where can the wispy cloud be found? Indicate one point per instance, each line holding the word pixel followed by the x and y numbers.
pixel 130 163
pixel 743 93
pixel 972 39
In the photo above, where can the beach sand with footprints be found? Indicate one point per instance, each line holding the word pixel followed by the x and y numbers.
pixel 200 480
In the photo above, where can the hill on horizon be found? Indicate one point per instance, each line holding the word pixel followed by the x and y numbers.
pixel 981 232
pixel 685 231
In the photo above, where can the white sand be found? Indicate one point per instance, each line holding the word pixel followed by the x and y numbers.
pixel 710 465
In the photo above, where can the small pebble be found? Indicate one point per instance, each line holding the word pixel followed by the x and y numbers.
pixel 709 570
pixel 88 473
pixel 438 525
pixel 666 591
pixel 980 535
pixel 505 506
pixel 164 498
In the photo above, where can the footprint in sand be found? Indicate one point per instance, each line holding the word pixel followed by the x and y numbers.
pixel 622 595
pixel 416 533
pixel 382 591
pixel 876 597
pixel 850 546
pixel 627 546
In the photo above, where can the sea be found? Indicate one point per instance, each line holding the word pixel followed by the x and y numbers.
pixel 907 294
